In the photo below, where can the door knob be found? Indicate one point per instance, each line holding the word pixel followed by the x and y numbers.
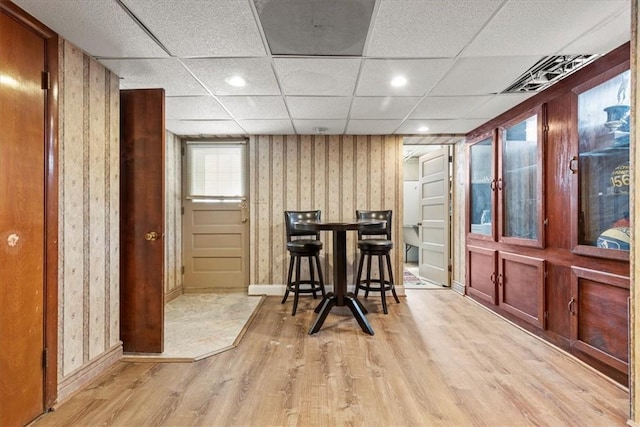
pixel 152 235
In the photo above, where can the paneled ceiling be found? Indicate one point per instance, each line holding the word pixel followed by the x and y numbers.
pixel 326 66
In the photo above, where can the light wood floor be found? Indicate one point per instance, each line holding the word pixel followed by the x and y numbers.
pixel 437 359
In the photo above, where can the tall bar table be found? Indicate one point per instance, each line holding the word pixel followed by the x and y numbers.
pixel 339 297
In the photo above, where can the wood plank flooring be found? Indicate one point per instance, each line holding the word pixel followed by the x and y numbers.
pixel 437 359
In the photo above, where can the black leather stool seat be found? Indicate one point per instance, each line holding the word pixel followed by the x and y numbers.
pixel 303 244
pixel 375 245
pixel 380 247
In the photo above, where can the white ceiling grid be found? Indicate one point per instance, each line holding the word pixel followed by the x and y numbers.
pixel 457 56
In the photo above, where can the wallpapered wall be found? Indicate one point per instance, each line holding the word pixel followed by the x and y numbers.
pixel 458 221
pixel 337 174
pixel 173 217
pixel 89 153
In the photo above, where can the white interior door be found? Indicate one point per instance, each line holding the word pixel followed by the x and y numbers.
pixel 434 253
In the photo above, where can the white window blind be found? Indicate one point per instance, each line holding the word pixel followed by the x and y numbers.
pixel 215 170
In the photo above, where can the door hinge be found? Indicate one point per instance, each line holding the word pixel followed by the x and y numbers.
pixel 450 267
pixel 450 159
pixel 45 357
pixel 182 269
pixel 182 210
pixel 546 222
pixel 546 315
pixel 182 151
pixel 46 80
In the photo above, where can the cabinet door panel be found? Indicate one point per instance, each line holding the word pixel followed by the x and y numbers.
pixel 521 282
pixel 600 316
pixel 482 273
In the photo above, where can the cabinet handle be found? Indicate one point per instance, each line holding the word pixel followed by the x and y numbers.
pixel 500 279
pixel 573 166
pixel 499 184
pixel 570 306
pixel 493 278
pixel 493 185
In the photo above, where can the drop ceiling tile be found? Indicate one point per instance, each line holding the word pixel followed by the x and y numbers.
pixel 267 127
pixel 439 126
pixel 308 127
pixel 498 105
pixel 194 108
pixel 294 27
pixel 223 27
pixel 483 76
pixel 372 127
pixel 421 75
pixel 540 28
pixel 447 107
pixel 203 127
pixel 155 73
pixel 317 76
pixel 255 107
pixel 257 73
pixel 383 107
pixel 100 28
pixel 320 107
pixel 418 28
pixel 602 39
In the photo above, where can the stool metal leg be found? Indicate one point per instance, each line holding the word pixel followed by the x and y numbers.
pixel 383 293
pixel 393 287
pixel 296 292
pixel 286 292
pixel 320 278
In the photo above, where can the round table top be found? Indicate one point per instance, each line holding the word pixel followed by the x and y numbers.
pixel 340 225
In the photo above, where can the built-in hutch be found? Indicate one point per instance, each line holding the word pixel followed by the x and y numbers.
pixel 548 232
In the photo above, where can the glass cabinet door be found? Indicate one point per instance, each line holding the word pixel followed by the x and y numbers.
pixel 482 181
pixel 520 182
pixel 603 168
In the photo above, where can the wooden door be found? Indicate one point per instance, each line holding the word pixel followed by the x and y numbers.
pixel 27 176
pixel 216 246
pixel 481 273
pixel 142 141
pixel 434 230
pixel 215 226
pixel 522 287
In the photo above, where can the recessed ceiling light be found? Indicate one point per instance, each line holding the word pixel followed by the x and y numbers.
pixel 423 129
pixel 399 81
pixel 320 129
pixel 236 81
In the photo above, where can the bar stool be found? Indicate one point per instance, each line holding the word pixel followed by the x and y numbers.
pixel 303 244
pixel 376 246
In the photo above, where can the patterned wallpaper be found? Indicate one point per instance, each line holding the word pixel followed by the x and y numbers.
pixel 173 217
pixel 337 174
pixel 458 223
pixel 89 135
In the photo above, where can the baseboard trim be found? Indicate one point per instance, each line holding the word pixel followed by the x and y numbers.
pixel 458 287
pixel 173 294
pixel 76 381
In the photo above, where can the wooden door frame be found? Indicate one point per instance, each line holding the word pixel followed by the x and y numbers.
pixel 50 314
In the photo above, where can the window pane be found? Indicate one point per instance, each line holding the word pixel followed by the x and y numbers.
pixel 481 163
pixel 215 170
pixel 520 179
pixel 603 128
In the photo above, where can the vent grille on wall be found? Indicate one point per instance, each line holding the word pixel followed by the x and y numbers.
pixel 547 71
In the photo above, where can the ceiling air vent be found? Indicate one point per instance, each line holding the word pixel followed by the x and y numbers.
pixel 547 71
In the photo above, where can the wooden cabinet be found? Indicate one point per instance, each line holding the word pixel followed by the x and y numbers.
pixel 521 287
pixel 547 243
pixel 600 316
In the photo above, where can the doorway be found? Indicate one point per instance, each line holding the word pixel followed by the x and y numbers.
pixel 215 225
pixel 426 215
pixel 28 217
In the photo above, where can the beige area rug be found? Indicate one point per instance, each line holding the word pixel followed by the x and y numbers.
pixel 201 325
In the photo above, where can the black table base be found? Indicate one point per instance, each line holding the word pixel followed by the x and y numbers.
pixel 350 300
